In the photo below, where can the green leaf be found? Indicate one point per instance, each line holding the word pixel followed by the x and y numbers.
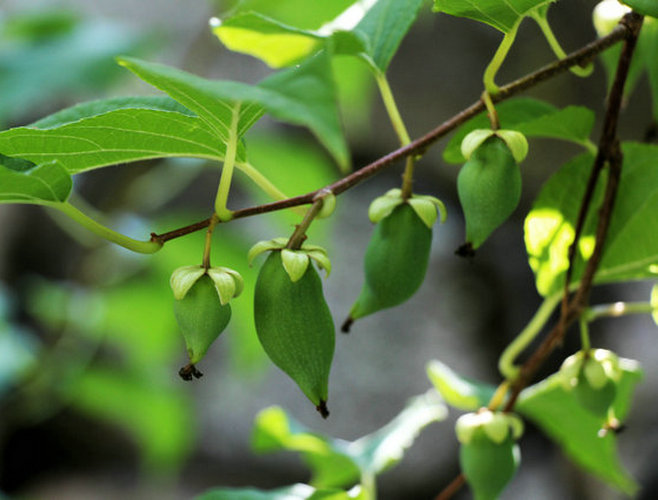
pixel 501 14
pixel 461 392
pixel 573 123
pixel 511 113
pixel 644 7
pixel 385 25
pixel 631 249
pixel 213 101
pixel 385 447
pixel 559 415
pixel 654 303
pixel 294 492
pixel 22 181
pixel 650 34
pixel 337 463
pixel 303 96
pixel 119 136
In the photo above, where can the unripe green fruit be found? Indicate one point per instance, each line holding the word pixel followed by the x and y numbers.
pixel 596 401
pixel 489 189
pixel 295 327
pixel 201 318
pixel 395 262
pixel 488 466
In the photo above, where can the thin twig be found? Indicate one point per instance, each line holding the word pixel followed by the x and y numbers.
pixel 420 145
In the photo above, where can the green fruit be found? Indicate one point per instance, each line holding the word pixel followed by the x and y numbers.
pixel 489 189
pixel 395 262
pixel 488 466
pixel 201 318
pixel 295 327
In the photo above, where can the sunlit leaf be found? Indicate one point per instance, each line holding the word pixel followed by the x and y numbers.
pixel 22 181
pixel 654 303
pixel 631 249
pixel 501 14
pixel 461 392
pixel 558 413
pixel 294 492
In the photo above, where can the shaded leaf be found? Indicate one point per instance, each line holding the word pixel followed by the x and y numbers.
pixel 501 14
pixel 631 249
pixel 119 136
pixel 558 414
pixel 461 392
pixel 22 181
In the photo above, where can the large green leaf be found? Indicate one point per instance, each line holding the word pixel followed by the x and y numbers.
pixel 119 136
pixel 373 30
pixel 303 95
pixel 558 413
pixel 22 181
pixel 461 392
pixel 645 7
pixel 337 463
pixel 631 248
pixel 533 118
pixel 501 14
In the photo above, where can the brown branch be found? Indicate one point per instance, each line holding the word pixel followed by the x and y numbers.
pixel 609 153
pixel 420 145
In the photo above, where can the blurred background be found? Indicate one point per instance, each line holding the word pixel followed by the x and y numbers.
pixel 91 405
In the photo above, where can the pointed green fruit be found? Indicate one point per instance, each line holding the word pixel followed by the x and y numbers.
pixel 201 308
pixel 294 326
pixel 488 455
pixel 398 253
pixel 489 188
pixel 592 376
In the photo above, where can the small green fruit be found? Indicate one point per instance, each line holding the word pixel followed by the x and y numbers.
pixel 295 327
pixel 489 189
pixel 202 309
pixel 488 455
pixel 397 255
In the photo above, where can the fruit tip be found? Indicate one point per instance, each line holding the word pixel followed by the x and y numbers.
pixel 322 409
pixel 189 371
pixel 347 324
pixel 466 250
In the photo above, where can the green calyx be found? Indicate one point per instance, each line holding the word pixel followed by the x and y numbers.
pixel 428 208
pixel 397 255
pixel 488 455
pixel 295 327
pixel 489 189
pixel 295 262
pixel 202 308
pixel 592 377
pixel 515 141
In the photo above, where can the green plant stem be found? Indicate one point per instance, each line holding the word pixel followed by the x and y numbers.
pixel 369 485
pixel 400 130
pixel 506 364
pixel 104 232
pixel 544 25
pixel 491 110
pixel 222 212
pixel 214 220
pixel 584 335
pixel 498 59
pixel 265 184
pixel 618 309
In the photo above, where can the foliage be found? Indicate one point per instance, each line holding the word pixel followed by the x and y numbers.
pixel 593 222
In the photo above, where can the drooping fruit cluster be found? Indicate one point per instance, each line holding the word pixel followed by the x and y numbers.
pixel 202 308
pixel 488 455
pixel 293 322
pixel 398 253
pixel 489 183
